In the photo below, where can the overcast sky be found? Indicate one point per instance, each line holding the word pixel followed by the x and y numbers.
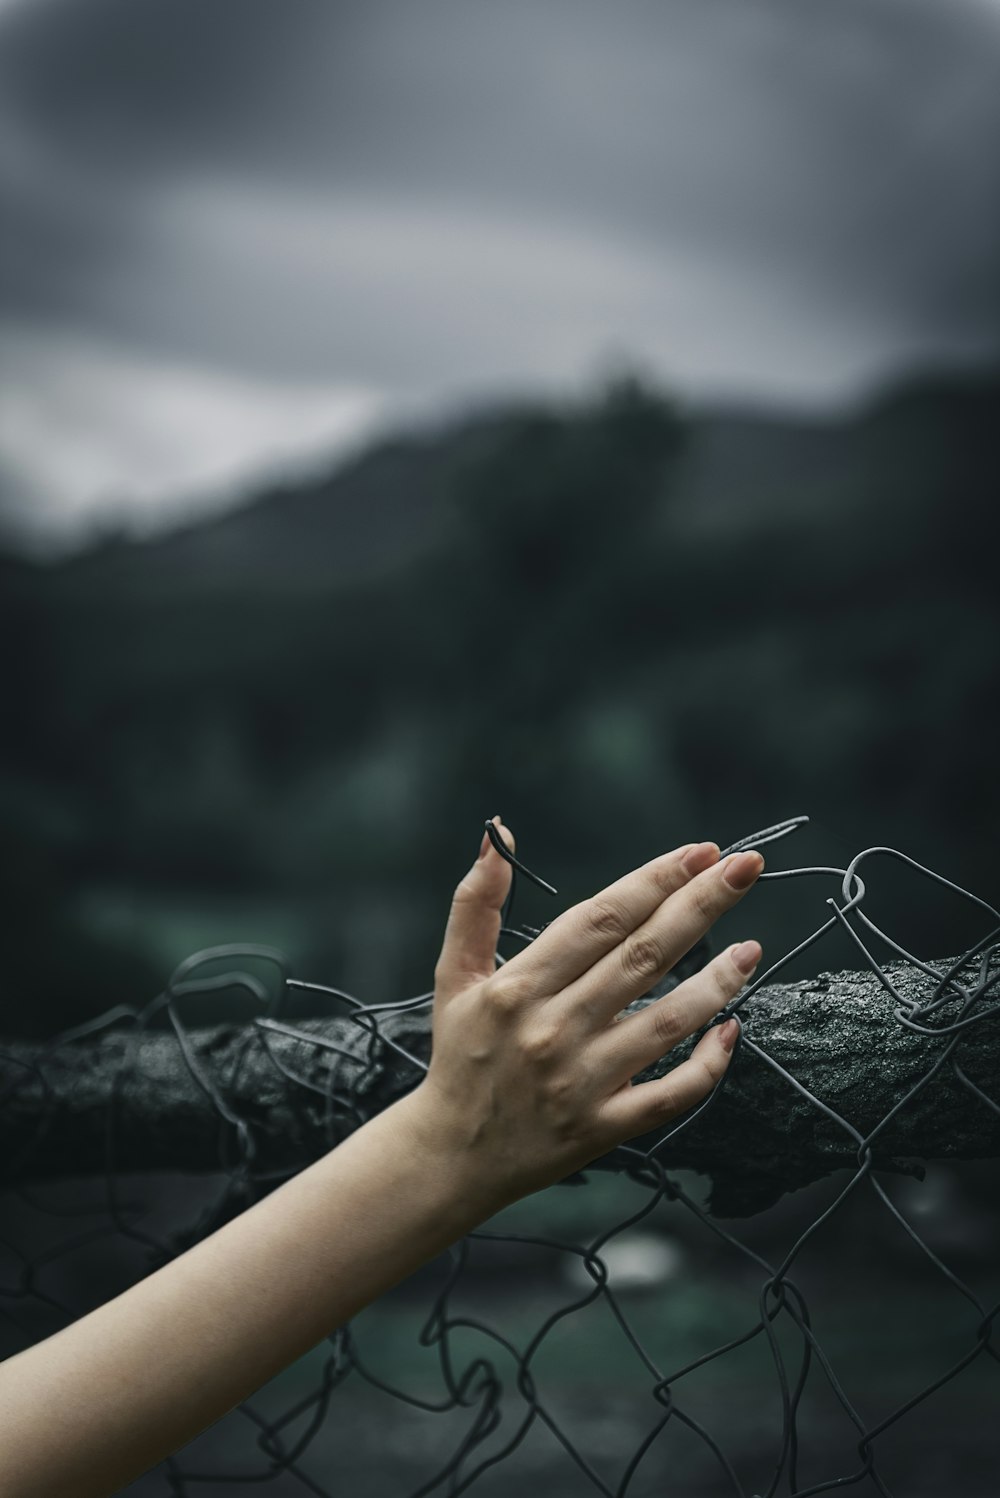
pixel 236 233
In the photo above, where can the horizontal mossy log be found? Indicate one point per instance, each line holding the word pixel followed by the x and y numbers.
pixel 274 1095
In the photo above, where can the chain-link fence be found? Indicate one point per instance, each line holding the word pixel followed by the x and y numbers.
pixel 455 1379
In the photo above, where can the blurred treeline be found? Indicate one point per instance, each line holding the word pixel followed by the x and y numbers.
pixel 620 625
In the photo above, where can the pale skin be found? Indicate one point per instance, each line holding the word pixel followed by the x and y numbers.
pixel 529 1081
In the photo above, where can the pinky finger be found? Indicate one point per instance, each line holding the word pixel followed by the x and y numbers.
pixel 649 1105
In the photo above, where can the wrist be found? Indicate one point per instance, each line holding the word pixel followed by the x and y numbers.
pixel 449 1173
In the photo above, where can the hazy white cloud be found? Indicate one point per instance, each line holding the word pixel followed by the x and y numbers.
pixel 89 430
pixel 413 206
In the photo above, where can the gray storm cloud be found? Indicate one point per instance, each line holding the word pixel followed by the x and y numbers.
pixel 383 204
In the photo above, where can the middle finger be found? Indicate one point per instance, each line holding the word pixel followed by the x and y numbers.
pixel 571 944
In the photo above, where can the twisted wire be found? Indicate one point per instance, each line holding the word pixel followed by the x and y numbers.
pixel 502 1411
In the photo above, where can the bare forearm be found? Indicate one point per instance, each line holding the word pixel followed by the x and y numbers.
pixel 530 1079
pixel 175 1352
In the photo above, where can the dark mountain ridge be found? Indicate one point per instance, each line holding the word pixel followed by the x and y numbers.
pixel 740 468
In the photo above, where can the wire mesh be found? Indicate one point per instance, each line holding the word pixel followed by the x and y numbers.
pixel 490 1381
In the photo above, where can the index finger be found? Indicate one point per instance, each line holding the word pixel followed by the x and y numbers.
pixel 571 944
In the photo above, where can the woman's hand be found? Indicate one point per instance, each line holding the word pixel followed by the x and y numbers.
pixel 529 1080
pixel 530 1074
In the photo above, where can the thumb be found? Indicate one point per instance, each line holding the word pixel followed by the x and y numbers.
pixel 470 938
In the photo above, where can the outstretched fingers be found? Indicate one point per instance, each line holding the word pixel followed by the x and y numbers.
pixel 583 935
pixel 651 949
pixel 642 1038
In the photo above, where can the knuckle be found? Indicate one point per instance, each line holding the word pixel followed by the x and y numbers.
pixel 465 892
pixel 667 1024
pixel 505 992
pixel 707 1073
pixel 726 978
pixel 704 900
pixel 607 919
pixel 663 877
pixel 559 1094
pixel 541 1043
pixel 641 958
pixel 665 1103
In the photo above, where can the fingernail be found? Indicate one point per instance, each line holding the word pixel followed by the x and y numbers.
pixel 746 955
pixel 728 1033
pixel 701 857
pixel 742 869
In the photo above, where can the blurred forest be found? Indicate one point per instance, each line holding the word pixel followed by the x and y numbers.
pixel 622 625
